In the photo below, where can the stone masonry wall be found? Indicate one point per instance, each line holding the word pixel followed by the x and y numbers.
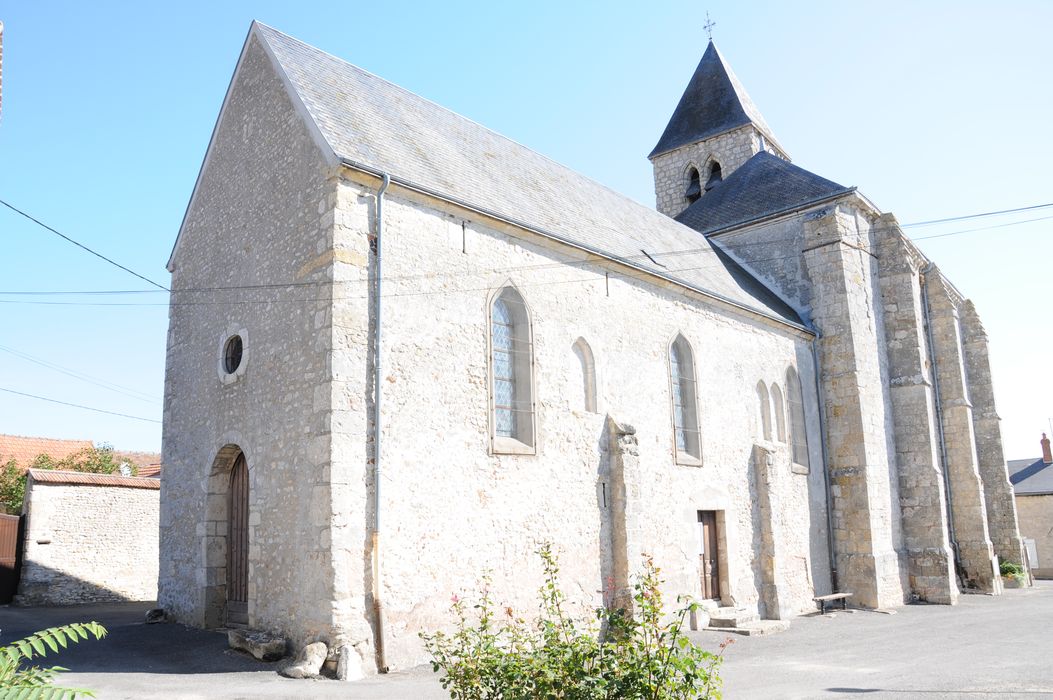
pixel 847 311
pixel 731 149
pixel 990 456
pixel 452 510
pixel 88 543
pixel 967 505
pixel 1036 523
pixel 255 258
pixel 930 562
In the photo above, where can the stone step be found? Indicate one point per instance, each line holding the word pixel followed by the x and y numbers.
pixel 731 617
pixel 755 628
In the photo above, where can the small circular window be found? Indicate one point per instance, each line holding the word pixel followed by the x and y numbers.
pixel 232 350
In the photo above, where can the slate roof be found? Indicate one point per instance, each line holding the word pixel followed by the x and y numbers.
pixel 1030 477
pixel 762 186
pixel 713 102
pixel 371 123
pixel 55 476
pixel 25 449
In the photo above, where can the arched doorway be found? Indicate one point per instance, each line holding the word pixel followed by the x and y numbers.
pixel 238 543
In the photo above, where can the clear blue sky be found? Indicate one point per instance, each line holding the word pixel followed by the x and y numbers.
pixel 933 109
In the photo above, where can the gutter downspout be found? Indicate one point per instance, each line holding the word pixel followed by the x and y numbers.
pixel 378 608
pixel 958 570
pixel 826 471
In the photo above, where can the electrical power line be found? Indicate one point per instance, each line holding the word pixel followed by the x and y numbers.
pixel 127 391
pixel 728 246
pixel 977 216
pixel 40 223
pixel 75 405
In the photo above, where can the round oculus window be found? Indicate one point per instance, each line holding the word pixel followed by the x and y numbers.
pixel 232 350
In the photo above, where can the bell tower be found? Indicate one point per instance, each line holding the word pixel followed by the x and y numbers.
pixel 714 129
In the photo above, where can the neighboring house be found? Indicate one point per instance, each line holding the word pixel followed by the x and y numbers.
pixel 26 449
pixel 1032 481
pixel 88 538
pixel 741 384
pixel 152 471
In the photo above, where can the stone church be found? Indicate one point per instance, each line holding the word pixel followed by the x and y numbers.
pixel 403 350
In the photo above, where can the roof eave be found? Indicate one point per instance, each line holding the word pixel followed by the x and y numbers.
pixel 749 122
pixel 420 189
pixel 787 211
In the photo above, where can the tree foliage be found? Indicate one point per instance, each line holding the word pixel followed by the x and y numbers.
pixel 613 655
pixel 20 680
pixel 94 460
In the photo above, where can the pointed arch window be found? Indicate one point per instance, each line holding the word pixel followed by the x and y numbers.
pixel 798 430
pixel 685 402
pixel 715 176
pixel 511 374
pixel 694 186
pixel 763 403
pixel 779 413
pixel 588 374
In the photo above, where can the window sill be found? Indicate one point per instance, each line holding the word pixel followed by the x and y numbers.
pixel 511 446
pixel 686 460
pixel 799 468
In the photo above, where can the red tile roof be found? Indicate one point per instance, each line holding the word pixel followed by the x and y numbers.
pixel 25 449
pixel 152 471
pixel 55 476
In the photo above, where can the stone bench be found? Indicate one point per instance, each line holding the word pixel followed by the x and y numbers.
pixel 824 600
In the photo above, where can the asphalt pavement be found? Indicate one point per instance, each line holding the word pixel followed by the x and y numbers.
pixel 985 647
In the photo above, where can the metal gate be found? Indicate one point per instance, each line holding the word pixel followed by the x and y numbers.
pixel 238 544
pixel 11 534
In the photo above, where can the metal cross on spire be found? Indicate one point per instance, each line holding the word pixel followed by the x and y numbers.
pixel 708 26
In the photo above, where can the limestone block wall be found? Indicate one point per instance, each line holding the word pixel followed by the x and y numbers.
pixel 254 258
pixel 990 456
pixel 89 543
pixel 1036 523
pixel 930 560
pixel 772 252
pixel 847 310
pixel 967 504
pixel 454 510
pixel 731 149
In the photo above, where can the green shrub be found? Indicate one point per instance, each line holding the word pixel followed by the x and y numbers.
pixel 1008 568
pixel 615 654
pixel 17 680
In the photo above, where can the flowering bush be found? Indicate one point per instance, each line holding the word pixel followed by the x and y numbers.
pixel 614 655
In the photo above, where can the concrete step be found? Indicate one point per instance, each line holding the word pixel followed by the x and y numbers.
pixel 761 627
pixel 731 617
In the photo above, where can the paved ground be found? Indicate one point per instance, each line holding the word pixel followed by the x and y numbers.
pixel 986 647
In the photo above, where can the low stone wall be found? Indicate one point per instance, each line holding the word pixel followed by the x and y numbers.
pixel 1035 514
pixel 89 537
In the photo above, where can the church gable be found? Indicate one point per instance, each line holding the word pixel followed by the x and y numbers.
pixel 263 140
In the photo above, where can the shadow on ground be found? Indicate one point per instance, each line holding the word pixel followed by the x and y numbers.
pixel 131 645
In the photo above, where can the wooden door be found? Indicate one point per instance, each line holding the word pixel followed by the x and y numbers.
pixel 238 544
pixel 709 554
pixel 11 533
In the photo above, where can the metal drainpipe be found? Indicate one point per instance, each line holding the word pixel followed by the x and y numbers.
pixel 378 608
pixel 939 425
pixel 826 470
